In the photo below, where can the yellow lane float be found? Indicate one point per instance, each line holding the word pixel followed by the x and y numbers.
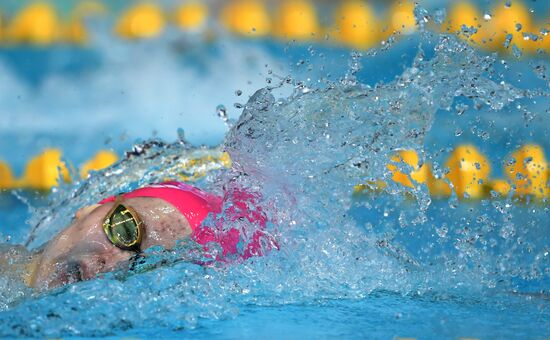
pixel 527 170
pixel 356 25
pixel 500 187
pixel 246 17
pixel 44 171
pixel 191 15
pixel 372 186
pixel 225 160
pixel 74 32
pixel 6 177
pixel 420 174
pixel 197 168
pixel 36 24
pixel 144 20
pixel 409 157
pixel 512 25
pixel 296 19
pixel 100 161
pixel 402 17
pixel 507 27
pixel 469 24
pixel 468 171
pixel 438 187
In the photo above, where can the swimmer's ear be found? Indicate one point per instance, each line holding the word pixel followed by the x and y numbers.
pixel 85 210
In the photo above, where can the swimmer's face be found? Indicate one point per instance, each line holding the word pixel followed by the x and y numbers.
pixel 82 250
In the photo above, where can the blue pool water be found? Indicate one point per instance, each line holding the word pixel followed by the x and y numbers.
pixel 448 268
pixel 379 314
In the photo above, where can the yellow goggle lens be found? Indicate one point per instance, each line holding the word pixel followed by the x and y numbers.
pixel 123 228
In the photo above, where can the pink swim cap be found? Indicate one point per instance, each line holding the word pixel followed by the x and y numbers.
pixel 192 202
pixel 195 205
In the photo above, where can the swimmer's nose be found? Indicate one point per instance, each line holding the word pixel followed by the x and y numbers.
pixel 85 211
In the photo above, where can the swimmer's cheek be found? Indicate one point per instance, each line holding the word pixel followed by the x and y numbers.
pixel 91 267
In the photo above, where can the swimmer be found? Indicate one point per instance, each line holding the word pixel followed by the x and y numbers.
pixel 105 236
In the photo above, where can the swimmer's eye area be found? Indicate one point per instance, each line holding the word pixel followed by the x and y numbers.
pixel 123 227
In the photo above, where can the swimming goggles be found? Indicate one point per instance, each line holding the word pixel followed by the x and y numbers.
pixel 123 227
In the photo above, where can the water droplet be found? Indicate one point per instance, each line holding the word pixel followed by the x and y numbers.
pixel 221 111
pixel 181 134
pixel 530 36
pixel 453 204
pixel 458 132
pixel 508 40
pixel 507 231
pixel 516 51
pixel 487 17
pixel 238 93
pixel 468 31
pixel 440 15
pixel 442 232
pixel 460 109
pixel 422 17
pixel 518 27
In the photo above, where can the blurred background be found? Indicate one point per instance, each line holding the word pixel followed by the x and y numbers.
pixel 83 81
